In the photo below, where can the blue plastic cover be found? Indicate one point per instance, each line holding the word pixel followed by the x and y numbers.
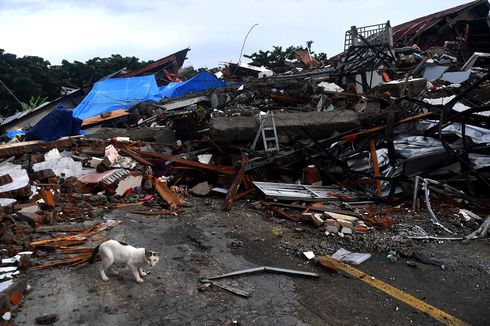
pixel 59 123
pixel 11 134
pixel 116 93
pixel 199 82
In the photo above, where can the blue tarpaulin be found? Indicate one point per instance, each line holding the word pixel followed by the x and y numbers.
pixel 122 93
pixel 59 123
pixel 11 134
pixel 199 82
pixel 116 93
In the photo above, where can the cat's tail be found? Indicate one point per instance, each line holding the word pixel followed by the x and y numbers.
pixel 94 255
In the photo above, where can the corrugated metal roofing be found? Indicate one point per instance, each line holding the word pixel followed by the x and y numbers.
pixel 22 114
pixel 417 26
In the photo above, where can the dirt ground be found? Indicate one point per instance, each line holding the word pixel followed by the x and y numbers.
pixel 205 241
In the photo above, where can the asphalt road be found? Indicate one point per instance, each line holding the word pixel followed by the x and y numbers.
pixel 205 241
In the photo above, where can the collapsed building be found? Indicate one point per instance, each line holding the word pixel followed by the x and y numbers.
pixel 401 116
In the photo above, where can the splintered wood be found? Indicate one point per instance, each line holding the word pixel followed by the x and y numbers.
pixel 67 245
pixel 82 236
pixel 170 197
pixel 71 261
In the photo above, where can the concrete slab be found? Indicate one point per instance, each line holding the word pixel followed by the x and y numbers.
pixel 319 124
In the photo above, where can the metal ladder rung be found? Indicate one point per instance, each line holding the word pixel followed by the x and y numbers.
pixel 272 133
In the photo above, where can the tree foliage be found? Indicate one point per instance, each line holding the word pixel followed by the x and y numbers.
pixel 274 59
pixel 34 80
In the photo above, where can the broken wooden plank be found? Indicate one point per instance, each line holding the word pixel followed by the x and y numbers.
pixel 374 158
pixel 232 191
pixel 26 147
pixel 120 205
pixel 67 261
pixel 136 157
pixel 82 236
pixel 70 250
pixel 100 118
pixel 283 214
pixel 228 170
pixel 48 198
pixel 59 244
pixel 167 194
pixel 245 193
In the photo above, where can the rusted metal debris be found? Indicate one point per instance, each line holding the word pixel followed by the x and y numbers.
pixel 271 210
pixel 265 269
pixel 231 289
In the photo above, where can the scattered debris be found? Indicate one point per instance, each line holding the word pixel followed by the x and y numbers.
pixel 345 147
pixel 350 257
pixel 47 319
pixel 482 231
pixel 265 269
pixel 236 291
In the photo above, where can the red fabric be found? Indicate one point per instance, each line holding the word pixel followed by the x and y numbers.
pixel 350 138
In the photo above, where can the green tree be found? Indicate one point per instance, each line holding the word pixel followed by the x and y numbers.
pixel 274 59
pixel 33 80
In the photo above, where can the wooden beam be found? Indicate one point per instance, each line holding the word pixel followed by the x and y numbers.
pixel 232 191
pixel 374 158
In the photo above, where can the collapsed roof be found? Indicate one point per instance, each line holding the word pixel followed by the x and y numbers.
pixel 467 24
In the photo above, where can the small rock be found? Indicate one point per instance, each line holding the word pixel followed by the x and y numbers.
pixel 201 189
pixel 411 263
pixel 236 244
pixel 7 315
pixel 47 319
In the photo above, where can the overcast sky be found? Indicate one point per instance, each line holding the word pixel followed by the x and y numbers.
pixel 213 29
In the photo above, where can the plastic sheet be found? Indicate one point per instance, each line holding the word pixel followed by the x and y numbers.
pixel 57 124
pixel 19 176
pixel 350 257
pixel 200 82
pixel 116 93
pixel 7 201
pixel 411 146
pixel 11 134
pixel 59 164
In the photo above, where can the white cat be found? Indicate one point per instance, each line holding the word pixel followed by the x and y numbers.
pixel 113 251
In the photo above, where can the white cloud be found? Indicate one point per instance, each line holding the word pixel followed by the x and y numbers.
pixel 76 30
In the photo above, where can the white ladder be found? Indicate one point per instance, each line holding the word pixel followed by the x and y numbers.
pixel 269 134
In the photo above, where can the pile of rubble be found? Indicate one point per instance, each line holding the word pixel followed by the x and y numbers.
pixel 385 131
